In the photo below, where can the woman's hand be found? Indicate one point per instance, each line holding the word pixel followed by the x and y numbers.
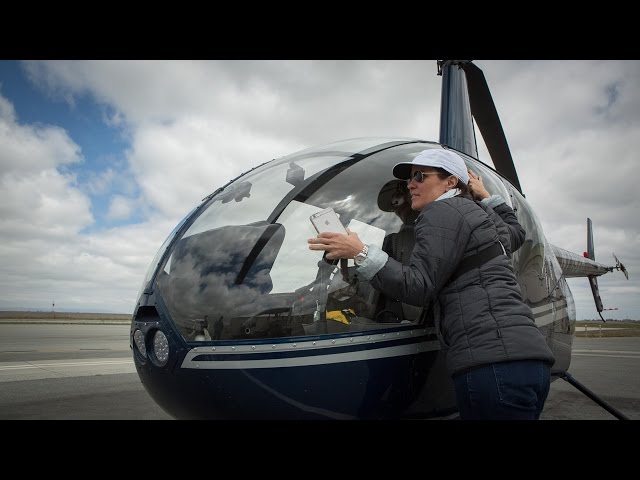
pixel 476 187
pixel 337 245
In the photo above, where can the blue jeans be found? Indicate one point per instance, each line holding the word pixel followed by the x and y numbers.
pixel 503 391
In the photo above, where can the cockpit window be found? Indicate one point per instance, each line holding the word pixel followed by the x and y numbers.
pixel 528 260
pixel 243 270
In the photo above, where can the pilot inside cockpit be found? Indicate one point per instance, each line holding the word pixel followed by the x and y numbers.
pixel 394 197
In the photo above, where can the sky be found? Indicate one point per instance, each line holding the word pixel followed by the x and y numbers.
pixel 99 160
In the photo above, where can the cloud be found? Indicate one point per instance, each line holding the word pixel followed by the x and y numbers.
pixel 120 208
pixel 177 165
pixel 101 182
pixel 43 254
pixel 38 200
pixel 25 150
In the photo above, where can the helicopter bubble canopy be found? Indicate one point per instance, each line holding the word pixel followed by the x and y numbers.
pixel 240 267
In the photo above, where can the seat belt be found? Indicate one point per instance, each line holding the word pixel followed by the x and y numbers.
pixel 477 259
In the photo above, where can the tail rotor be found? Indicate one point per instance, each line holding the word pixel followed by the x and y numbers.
pixel 620 266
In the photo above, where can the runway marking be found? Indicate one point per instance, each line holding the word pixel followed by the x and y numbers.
pixel 65 364
pixel 606 353
pixel 589 350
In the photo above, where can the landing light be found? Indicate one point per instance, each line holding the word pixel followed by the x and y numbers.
pixel 138 337
pixel 160 348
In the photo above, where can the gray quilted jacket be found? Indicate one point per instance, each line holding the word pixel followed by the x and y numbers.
pixel 480 316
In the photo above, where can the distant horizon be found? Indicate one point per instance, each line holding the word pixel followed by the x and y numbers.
pixel 61 310
pixel 68 310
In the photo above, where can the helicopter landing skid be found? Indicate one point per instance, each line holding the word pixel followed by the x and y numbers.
pixel 569 378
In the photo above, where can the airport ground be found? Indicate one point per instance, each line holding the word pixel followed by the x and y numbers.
pixel 79 371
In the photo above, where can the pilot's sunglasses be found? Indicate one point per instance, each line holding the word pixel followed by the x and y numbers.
pixel 419 176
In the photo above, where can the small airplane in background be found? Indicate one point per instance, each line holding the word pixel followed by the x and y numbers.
pixel 238 319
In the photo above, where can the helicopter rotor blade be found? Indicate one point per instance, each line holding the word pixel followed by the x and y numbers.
pixel 486 116
pixel 620 266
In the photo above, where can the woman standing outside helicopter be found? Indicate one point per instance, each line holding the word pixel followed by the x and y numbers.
pixel 497 357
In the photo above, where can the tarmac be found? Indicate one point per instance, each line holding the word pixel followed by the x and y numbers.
pixel 79 371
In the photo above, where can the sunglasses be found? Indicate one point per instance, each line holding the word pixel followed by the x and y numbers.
pixel 419 176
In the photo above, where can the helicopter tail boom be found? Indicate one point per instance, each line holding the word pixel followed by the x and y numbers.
pixel 574 265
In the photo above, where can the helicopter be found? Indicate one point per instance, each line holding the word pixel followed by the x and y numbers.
pixel 237 319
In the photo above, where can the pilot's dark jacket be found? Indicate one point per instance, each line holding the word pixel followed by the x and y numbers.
pixel 479 316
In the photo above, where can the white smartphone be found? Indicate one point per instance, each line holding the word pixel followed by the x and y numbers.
pixel 327 221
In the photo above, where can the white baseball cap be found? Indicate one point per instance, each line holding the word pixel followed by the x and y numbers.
pixel 434 157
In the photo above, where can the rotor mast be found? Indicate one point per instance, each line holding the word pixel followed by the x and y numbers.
pixel 456 122
pixel 466 98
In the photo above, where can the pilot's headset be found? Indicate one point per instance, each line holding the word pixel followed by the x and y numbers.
pixel 392 196
pixel 399 196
